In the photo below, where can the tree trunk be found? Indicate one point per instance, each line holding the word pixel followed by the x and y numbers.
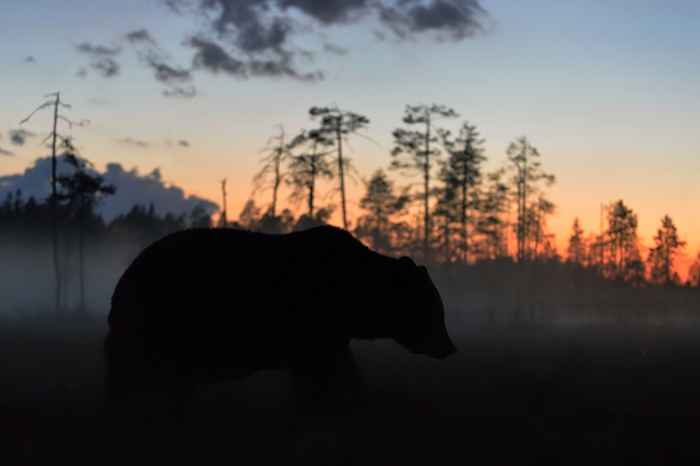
pixel 465 213
pixel 81 255
pixel 341 170
pixel 54 209
pixel 426 197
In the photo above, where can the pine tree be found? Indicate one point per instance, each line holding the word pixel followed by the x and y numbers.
pixel 661 256
pixel 576 251
pixel 624 259
pixel 381 205
pixel 527 176
pixel 462 175
pixel 415 151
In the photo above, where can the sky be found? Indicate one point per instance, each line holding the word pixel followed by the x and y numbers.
pixel 606 90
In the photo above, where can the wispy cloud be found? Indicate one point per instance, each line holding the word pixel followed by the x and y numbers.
pixel 138 143
pixel 102 58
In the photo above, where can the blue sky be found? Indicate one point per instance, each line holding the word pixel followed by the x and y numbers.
pixel 607 90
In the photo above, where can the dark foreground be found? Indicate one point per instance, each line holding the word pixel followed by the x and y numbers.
pixel 620 394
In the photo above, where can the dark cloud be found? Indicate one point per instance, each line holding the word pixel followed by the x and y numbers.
pixel 245 38
pixel 163 72
pixel 102 58
pixel 450 19
pixel 175 78
pixel 132 188
pixel 183 143
pixel 214 58
pixel 133 143
pixel 6 153
pixel 18 137
pixel 106 67
pixel 140 36
pixel 29 59
pixel 95 50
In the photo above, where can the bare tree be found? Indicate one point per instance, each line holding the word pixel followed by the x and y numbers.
pixel 271 175
pixel 223 221
pixel 53 101
pixel 341 124
pixel 415 151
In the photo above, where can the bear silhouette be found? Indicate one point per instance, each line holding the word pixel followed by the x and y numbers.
pixel 203 306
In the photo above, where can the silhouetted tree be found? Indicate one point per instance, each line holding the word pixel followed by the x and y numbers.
pixel 223 220
pixel 340 124
pixel 528 175
pixel 307 166
pixel 624 260
pixel 381 204
pixel 199 217
pixel 446 218
pixel 272 175
pixel 415 151
pixel 81 190
pixel 541 241
pixel 320 217
pixel 694 273
pixel 462 174
pixel 249 218
pixel 54 102
pixel 493 205
pixel 661 256
pixel 277 224
pixel 576 251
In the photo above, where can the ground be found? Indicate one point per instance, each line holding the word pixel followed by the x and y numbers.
pixel 514 394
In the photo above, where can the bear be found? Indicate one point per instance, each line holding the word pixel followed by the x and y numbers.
pixel 202 306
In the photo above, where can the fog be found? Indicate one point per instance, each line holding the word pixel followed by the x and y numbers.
pixel 549 362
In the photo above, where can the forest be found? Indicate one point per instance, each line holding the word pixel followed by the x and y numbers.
pixel 480 232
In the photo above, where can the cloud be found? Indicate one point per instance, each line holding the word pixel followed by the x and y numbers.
pixel 29 59
pixel 175 78
pixel 450 19
pixel 183 143
pixel 133 142
pixel 212 57
pixel 140 36
pixel 179 92
pixel 18 137
pixel 335 49
pixel 163 72
pixel 132 188
pixel 82 73
pixel 102 59
pixel 243 38
pixel 6 153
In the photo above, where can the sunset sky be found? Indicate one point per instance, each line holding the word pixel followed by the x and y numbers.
pixel 607 90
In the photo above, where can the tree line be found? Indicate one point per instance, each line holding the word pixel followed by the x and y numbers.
pixel 457 212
